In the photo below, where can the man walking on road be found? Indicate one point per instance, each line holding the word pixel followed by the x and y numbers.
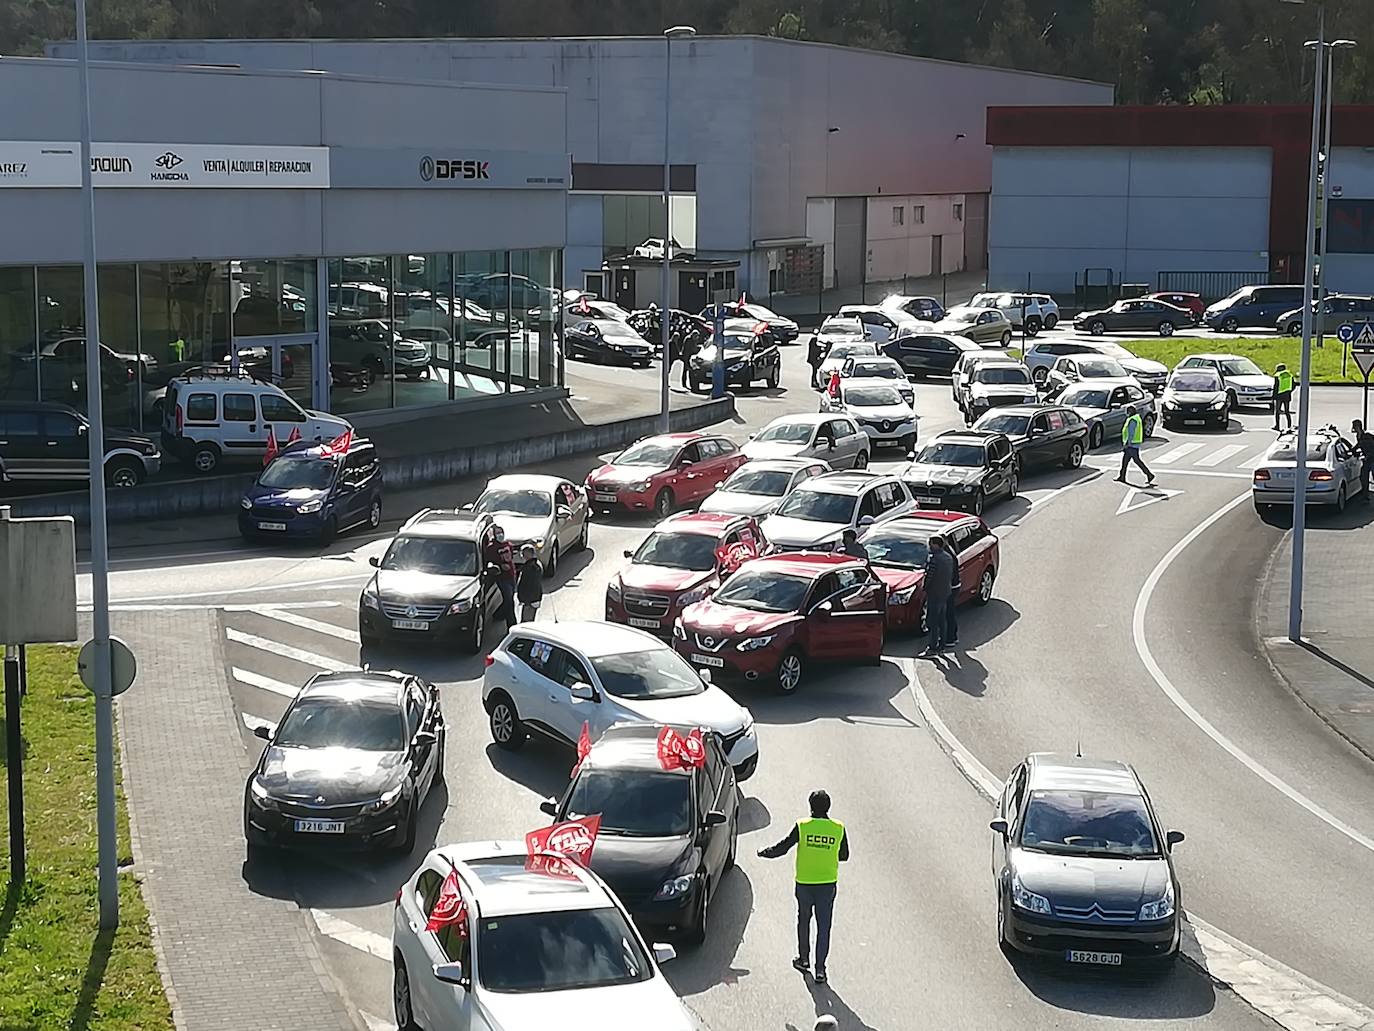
pixel 1132 435
pixel 1283 395
pixel 941 576
pixel 822 845
pixel 1364 444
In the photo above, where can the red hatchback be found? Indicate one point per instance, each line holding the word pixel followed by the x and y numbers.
pixel 660 474
pixel 1191 303
pixel 682 561
pixel 778 614
pixel 898 548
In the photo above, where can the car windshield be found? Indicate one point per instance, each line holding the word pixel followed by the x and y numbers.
pixel 1000 374
pixel 852 348
pixel 842 327
pixel 655 673
pixel 299 474
pixel 875 370
pixel 634 803
pixel 328 722
pixel 770 482
pixel 899 550
pixel 871 396
pixel 1100 370
pixel 818 506
pixel 1240 367
pixel 963 316
pixel 788 432
pixel 738 342
pixel 660 456
pixel 1115 351
pixel 692 551
pixel 1316 452
pixel 999 422
pixel 1089 398
pixel 1203 382
pixel 1088 823
pixel 441 556
pixel 763 591
pixel 516 502
pixel 560 951
pixel 950 453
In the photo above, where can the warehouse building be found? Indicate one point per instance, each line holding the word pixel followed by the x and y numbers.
pixel 779 146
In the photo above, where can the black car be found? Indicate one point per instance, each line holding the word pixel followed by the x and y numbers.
pixel 348 764
pixel 749 357
pixel 1195 397
pixel 1040 435
pixel 1141 314
pixel 963 470
pixel 608 341
pixel 668 836
pixel 44 442
pixel 1083 871
pixel 433 583
pixel 648 323
pixel 926 354
pixel 310 491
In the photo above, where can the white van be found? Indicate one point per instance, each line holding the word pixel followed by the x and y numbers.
pixel 211 416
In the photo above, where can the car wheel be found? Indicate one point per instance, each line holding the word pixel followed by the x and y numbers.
pixel 329 531
pixel 1097 328
pixel 771 380
pixel 374 514
pixel 1294 329
pixel 552 566
pixel 401 1002
pixel 1224 420
pixel 663 503
pixel 506 728
pixel 1148 426
pixel 1230 324
pixel 1231 400
pixel 1075 458
pixel 979 501
pixel 585 534
pixel 861 460
pixel 473 643
pixel 1095 437
pixel 790 671
pixel 406 845
pixel 1002 942
pixel 1039 375
pixel 696 933
pixel 1051 320
pixel 1340 499
pixel 123 473
pixel 1033 326
pixel 205 458
pixel 1006 338
pixel 1166 329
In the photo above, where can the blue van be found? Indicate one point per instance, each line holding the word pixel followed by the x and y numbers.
pixel 307 491
pixel 1252 307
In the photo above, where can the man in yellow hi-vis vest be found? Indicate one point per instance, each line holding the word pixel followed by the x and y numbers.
pixel 1132 435
pixel 822 845
pixel 1283 395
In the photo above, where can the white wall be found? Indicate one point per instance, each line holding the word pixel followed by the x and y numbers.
pixel 1352 169
pixel 895 251
pixel 820 228
pixel 1056 211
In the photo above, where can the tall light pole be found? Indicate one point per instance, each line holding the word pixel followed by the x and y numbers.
pixel 1319 333
pixel 666 308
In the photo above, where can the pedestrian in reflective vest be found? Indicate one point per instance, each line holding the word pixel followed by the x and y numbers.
pixel 1132 435
pixel 1283 395
pixel 822 845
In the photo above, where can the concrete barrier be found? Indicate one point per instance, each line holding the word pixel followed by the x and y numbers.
pixel 164 499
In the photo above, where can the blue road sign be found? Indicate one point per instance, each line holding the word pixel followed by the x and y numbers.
pixel 1346 331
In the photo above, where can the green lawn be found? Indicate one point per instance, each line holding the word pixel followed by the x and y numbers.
pixel 57 972
pixel 1266 352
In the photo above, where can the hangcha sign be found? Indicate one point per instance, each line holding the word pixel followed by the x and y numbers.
pixel 164 166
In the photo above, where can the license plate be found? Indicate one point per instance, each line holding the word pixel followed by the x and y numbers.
pixel 925 499
pixel 409 624
pixel 708 660
pixel 609 499
pixel 1110 959
pixel 271 526
pixel 647 624
pixel 1283 474
pixel 319 826
pixel 1194 422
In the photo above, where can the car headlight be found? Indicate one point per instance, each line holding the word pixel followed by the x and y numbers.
pixel 692 597
pixel 246 502
pixel 387 799
pixel 1028 900
pixel 755 643
pixel 1160 908
pixel 901 597
pixel 674 888
pixel 536 542
pixel 370 597
pixel 1169 402
pixel 639 487
pixel 1219 404
pixel 678 631
pixel 261 798
pixel 460 606
pixel 613 589
pixel 961 488
pixel 311 507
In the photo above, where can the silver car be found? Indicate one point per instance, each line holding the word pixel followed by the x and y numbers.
pixel 815 515
pixel 1333 476
pixel 835 438
pixel 1103 404
pixel 843 350
pixel 548 512
pixel 757 488
pixel 1246 382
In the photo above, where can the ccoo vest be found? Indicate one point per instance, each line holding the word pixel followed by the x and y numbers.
pixel 1285 379
pixel 818 851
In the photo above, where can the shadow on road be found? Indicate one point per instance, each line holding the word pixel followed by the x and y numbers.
pixel 1180 993
pixel 828 692
pixel 1357 514
pixel 829 1003
pixel 713 963
pixel 1331 660
pixel 542 765
pixel 753 815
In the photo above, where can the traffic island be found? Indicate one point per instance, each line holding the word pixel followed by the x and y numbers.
pixel 57 969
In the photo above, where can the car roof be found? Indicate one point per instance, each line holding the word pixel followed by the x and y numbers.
pixel 1049 771
pixel 632 746
pixel 809 564
pixel 525 481
pixel 1005 362
pixel 593 638
pixel 711 524
pixel 874 359
pixel 1211 355
pixel 1105 381
pixel 1034 409
pixel 358 685
pixel 968 436
pixel 925 522
pixel 496 878
pixel 789 465
pixel 847 481
pixel 811 418
pixel 445 522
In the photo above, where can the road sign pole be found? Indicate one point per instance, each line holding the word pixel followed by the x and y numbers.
pixel 14 766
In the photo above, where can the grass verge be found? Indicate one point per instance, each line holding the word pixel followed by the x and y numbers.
pixel 57 970
pixel 1266 352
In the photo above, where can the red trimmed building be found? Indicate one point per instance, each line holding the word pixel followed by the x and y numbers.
pixel 1201 198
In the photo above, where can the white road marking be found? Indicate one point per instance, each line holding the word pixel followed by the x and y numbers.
pixel 120 607
pixel 251 679
pixel 253 723
pixel 286 651
pixel 1289 998
pixel 1142 647
pixel 1169 457
pixel 1221 454
pixel 376 1023
pixel 1142 497
pixel 293 585
pixel 1188 472
pixel 352 935
pixel 283 614
pixel 1255 461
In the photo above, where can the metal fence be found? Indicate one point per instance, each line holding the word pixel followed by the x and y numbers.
pixel 1211 286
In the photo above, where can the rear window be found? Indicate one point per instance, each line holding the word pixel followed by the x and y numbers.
pixel 200 408
pixel 1289 453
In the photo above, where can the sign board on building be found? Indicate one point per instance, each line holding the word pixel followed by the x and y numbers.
pixel 447 167
pixel 41 165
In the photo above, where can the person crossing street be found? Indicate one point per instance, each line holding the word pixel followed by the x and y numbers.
pixel 822 845
pixel 1283 395
pixel 1132 436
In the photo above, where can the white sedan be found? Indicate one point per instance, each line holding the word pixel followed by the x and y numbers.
pixel 519 946
pixel 550 678
pixel 841 352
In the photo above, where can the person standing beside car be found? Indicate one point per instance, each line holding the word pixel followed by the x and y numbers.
pixel 529 584
pixel 940 577
pixel 1283 395
pixel 815 354
pixel 501 555
pixel 1364 444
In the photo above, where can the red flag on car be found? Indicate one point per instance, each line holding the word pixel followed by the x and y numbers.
pixel 760 329
pixel 582 306
pixel 295 435
pixel 272 448
pixel 339 445
pixel 571 840
pixel 450 907
pixel 739 308
pixel 584 746
pixel 730 557
pixel 676 752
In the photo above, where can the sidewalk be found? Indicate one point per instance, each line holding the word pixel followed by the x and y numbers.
pixel 1332 671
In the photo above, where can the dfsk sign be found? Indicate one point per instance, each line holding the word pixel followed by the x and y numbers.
pixel 432 168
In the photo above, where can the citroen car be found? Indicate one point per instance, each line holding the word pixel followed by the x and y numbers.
pixel 962 469
pixel 659 474
pixel 1104 405
pixel 898 550
pixel 758 487
pixel 1082 867
pixel 1195 397
pixel 547 512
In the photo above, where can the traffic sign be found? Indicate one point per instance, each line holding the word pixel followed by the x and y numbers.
pixel 1346 332
pixel 123 666
pixel 1364 357
pixel 1366 334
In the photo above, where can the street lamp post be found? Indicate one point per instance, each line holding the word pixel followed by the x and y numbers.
pixel 666 307
pixel 1319 333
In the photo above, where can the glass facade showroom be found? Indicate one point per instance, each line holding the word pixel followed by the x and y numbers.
pixel 403 330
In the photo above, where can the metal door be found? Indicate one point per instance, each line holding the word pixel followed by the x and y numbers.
pixel 937 255
pixel 851 231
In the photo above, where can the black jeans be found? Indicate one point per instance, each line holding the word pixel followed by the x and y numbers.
pixel 820 899
pixel 1283 403
pixel 1131 453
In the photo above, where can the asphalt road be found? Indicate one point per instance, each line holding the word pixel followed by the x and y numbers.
pixel 1273 804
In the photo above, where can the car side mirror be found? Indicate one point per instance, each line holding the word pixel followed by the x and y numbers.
pixel 830 443
pixel 468 507
pixel 867 520
pixel 424 738
pixel 629 553
pixel 998 826
pixel 450 973
pixel 664 953
pixel 549 807
pixel 564 513
pixel 582 692
pixel 264 732
pixel 825 608
pixel 715 818
pixel 374 561
pixel 705 675
pixel 1172 838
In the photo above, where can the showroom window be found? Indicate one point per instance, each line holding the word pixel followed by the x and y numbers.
pixel 360 335
pixel 18 334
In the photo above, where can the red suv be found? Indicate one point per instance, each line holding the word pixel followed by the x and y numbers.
pixel 898 548
pixel 662 473
pixel 683 560
pixel 778 614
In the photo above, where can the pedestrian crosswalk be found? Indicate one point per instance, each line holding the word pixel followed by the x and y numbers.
pixel 1212 457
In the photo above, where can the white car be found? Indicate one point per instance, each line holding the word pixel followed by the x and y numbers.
pixel 968 361
pixel 1246 382
pixel 653 248
pixel 538 948
pixel 549 512
pixel 816 514
pixel 757 488
pixel 1333 476
pixel 879 367
pixel 881 324
pixel 1040 310
pixel 840 352
pixel 879 408
pixel 835 439
pixel 550 678
pixel 996 385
